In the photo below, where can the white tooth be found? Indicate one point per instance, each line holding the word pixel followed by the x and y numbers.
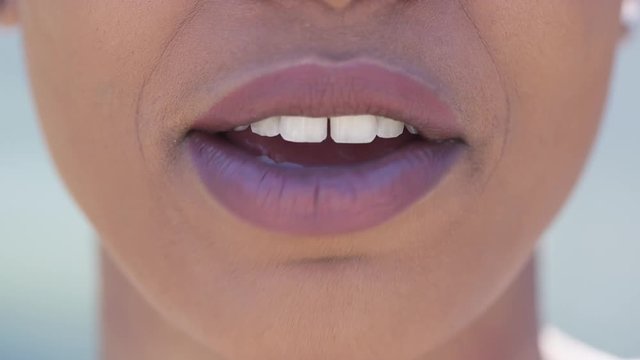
pixel 241 128
pixel 354 129
pixel 389 128
pixel 412 129
pixel 268 127
pixel 302 129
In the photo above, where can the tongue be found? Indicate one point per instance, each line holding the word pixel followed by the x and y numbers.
pixel 325 153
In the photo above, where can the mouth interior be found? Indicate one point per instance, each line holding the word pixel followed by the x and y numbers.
pixel 326 153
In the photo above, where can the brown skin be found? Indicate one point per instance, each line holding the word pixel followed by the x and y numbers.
pixel 119 82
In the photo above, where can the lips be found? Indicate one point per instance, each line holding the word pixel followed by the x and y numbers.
pixel 324 186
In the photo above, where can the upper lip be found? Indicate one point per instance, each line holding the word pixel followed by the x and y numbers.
pixel 316 89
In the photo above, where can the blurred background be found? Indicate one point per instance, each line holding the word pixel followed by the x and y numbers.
pixel 590 257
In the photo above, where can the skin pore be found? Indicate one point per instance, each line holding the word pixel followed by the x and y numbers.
pixel 119 83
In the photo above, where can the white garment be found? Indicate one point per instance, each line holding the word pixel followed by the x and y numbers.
pixel 556 345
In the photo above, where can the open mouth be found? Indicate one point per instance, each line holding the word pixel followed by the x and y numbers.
pixel 300 141
pixel 316 149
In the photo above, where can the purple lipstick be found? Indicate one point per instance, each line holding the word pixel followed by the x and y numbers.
pixel 316 149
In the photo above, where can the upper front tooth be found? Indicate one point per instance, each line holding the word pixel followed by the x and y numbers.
pixel 389 128
pixel 268 127
pixel 354 129
pixel 302 129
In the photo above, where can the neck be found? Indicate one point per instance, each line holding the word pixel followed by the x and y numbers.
pixel 133 330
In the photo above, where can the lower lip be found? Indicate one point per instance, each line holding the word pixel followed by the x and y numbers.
pixel 317 200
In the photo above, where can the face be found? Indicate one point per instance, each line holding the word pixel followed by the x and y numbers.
pixel 307 259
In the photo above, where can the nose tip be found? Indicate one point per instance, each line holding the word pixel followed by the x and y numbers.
pixel 338 4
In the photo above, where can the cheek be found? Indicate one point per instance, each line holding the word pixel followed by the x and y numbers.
pixel 88 61
pixel 554 60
